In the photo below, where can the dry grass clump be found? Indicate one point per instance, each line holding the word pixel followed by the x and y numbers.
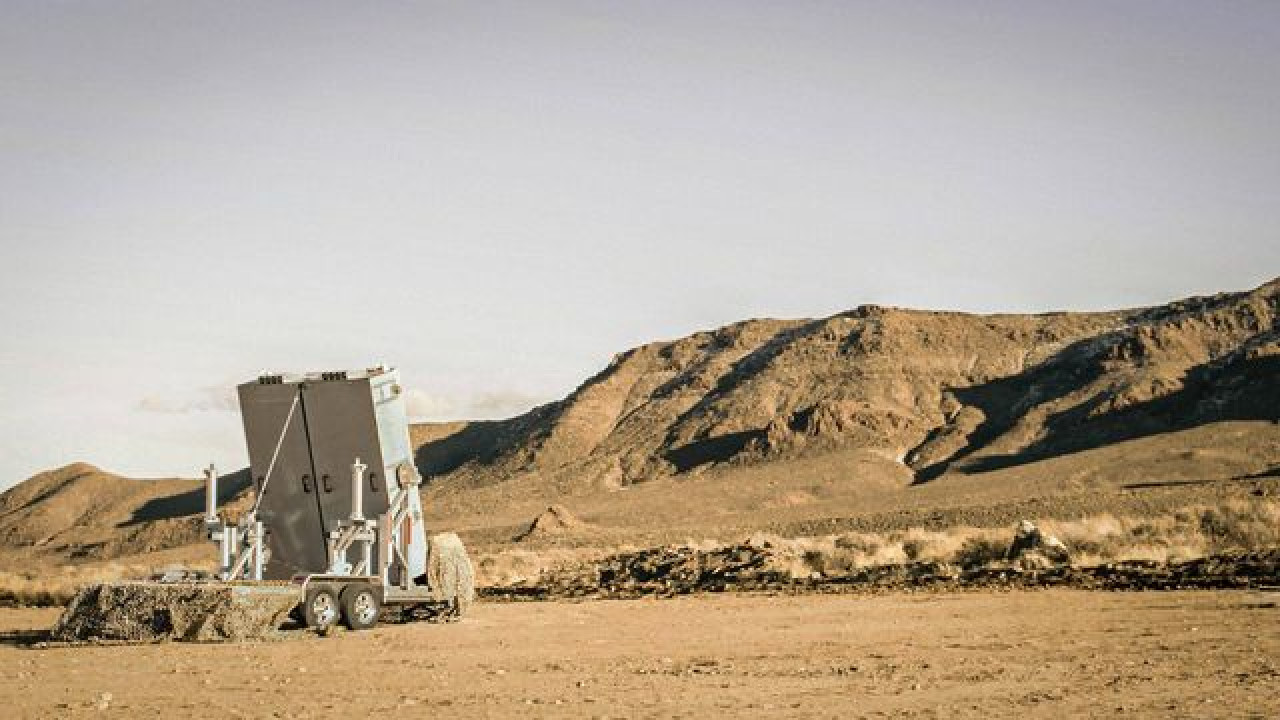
pixel 964 546
pixel 1241 524
pixel 980 551
pixel 1187 534
pixel 55 587
pixel 27 590
pixel 836 555
pixel 932 546
pixel 507 568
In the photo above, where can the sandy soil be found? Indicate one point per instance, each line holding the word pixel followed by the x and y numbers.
pixel 1054 653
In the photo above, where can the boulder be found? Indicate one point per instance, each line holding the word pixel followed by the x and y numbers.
pixel 1029 539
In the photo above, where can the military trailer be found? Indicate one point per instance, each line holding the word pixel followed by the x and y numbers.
pixel 332 529
pixel 336 508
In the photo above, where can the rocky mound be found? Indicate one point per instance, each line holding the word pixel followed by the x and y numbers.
pixel 554 522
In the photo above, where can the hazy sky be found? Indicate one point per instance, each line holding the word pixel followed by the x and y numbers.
pixel 496 197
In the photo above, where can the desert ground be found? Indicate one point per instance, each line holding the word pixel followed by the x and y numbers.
pixel 1052 653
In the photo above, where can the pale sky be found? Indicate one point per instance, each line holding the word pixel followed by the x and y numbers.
pixel 496 197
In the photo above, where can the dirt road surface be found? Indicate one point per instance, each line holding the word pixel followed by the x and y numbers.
pixel 1053 653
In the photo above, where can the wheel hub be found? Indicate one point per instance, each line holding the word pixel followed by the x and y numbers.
pixel 323 609
pixel 364 607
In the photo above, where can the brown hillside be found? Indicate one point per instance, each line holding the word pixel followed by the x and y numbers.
pixel 81 512
pixel 911 395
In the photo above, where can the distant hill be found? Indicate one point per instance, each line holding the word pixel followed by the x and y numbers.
pixel 808 424
pixel 917 395
pixel 79 512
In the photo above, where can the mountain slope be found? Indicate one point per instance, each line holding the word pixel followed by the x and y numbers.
pixel 81 512
pixel 911 395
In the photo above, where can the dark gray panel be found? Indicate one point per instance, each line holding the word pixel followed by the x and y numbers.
pixel 290 506
pixel 342 424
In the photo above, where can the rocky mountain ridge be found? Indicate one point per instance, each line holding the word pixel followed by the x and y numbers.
pixel 917 393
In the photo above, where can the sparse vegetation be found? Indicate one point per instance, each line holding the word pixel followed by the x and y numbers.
pixel 1190 532
pixel 24 590
pixel 1187 534
pixel 980 550
pixel 54 587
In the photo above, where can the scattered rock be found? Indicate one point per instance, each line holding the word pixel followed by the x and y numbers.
pixel 667 571
pixel 1029 542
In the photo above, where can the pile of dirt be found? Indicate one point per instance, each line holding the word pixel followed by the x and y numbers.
pixel 554 522
pixel 151 612
pixel 669 571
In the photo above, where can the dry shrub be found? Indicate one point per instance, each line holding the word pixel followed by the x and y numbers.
pixel 887 554
pixel 56 586
pixel 1186 534
pixel 1241 525
pixel 1099 536
pixel 515 567
pixel 800 557
pixel 980 550
pixel 508 568
pixel 858 550
pixel 860 543
pixel 843 554
pixel 24 590
pixel 1033 560
pixel 930 546
pixel 823 563
pixel 703 545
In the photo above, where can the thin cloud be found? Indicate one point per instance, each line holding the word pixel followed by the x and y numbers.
pixel 421 404
pixel 491 405
pixel 202 400
pixel 504 403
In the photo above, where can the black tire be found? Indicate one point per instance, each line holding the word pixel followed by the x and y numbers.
pixel 360 606
pixel 320 608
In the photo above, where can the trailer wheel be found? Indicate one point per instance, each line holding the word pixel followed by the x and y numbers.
pixel 320 607
pixel 360 606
